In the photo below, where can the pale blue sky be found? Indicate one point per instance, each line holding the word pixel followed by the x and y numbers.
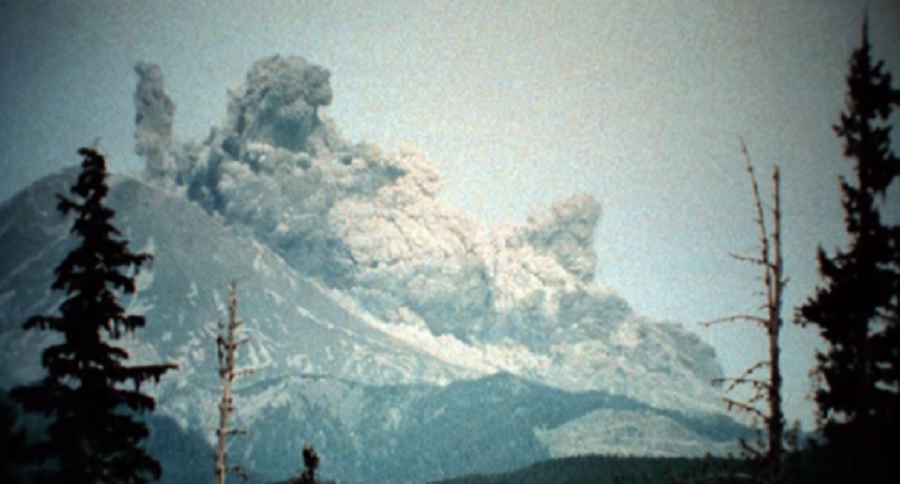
pixel 518 104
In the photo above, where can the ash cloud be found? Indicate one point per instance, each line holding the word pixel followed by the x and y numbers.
pixel 155 115
pixel 279 106
pixel 566 232
pixel 371 225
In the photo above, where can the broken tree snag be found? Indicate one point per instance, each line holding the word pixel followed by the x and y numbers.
pixel 226 351
pixel 769 454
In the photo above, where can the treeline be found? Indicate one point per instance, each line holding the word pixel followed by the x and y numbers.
pixel 799 467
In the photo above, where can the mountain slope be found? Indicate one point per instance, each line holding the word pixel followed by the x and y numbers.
pixel 295 326
pixel 380 406
pixel 400 335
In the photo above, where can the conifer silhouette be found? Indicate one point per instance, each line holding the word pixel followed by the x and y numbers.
pixel 89 395
pixel 12 440
pixel 857 311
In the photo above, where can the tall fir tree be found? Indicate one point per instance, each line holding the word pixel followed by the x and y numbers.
pixel 857 310
pixel 89 394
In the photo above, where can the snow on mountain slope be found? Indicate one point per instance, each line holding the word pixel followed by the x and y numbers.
pixel 327 370
pixel 397 333
pixel 294 325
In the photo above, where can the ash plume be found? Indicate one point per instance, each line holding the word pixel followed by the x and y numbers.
pixel 155 115
pixel 279 107
pixel 370 224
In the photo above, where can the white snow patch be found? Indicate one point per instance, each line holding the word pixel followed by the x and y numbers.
pixel 192 294
pixel 258 356
pixel 274 296
pixel 306 314
pixel 259 265
pixel 198 354
pixel 394 417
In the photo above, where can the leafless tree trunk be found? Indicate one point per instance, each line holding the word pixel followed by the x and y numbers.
pixel 768 389
pixel 226 349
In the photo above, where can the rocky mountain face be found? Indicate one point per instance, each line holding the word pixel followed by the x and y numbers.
pixel 402 337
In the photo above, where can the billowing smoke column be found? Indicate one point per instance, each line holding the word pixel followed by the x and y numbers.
pixel 154 119
pixel 279 107
pixel 371 225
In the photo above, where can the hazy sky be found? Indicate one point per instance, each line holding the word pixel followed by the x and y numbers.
pixel 518 104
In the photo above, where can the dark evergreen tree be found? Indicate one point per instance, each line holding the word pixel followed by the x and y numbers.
pixel 12 440
pixel 857 310
pixel 89 394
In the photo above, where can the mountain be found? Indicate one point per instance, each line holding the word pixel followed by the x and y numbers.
pixel 397 334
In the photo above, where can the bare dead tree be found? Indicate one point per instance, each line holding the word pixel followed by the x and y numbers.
pixel 226 350
pixel 770 453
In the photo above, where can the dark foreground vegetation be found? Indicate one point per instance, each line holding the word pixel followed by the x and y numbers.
pixel 814 465
pixel 593 469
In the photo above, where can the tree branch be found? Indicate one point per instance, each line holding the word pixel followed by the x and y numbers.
pixel 733 318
